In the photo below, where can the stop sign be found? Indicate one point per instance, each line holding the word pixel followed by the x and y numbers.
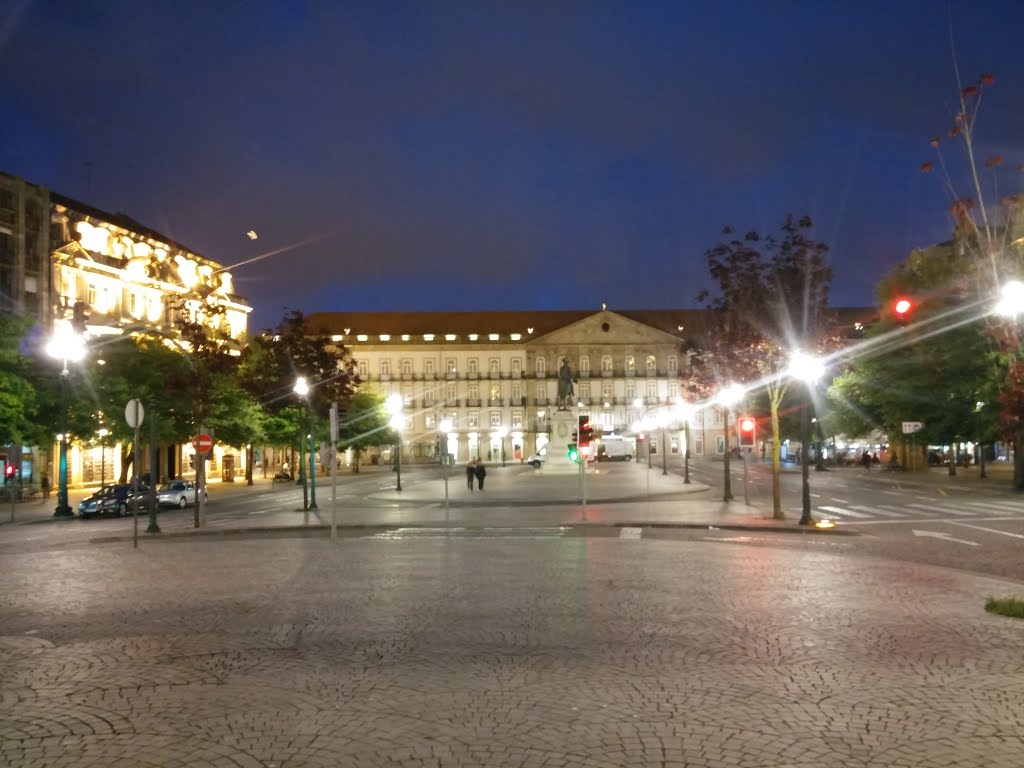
pixel 203 443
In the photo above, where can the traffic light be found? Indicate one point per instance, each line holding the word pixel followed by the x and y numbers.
pixel 584 432
pixel 902 308
pixel 574 453
pixel 746 426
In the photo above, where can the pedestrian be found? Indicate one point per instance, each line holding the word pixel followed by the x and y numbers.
pixel 865 459
pixel 44 486
pixel 481 472
pixel 470 474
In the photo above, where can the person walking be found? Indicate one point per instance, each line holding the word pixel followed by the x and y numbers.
pixel 481 472
pixel 470 474
pixel 44 486
pixel 865 459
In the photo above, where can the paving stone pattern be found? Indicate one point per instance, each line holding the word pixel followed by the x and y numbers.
pixel 500 652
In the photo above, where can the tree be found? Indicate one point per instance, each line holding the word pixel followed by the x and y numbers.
pixel 770 299
pixel 988 234
pixel 18 400
pixel 367 425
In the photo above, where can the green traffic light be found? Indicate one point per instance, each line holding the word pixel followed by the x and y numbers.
pixel 574 454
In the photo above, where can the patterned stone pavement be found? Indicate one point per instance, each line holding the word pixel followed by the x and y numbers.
pixel 522 651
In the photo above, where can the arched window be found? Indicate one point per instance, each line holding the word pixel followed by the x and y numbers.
pixel 673 364
pixel 606 364
pixel 385 367
pixel 652 365
pixel 363 369
pixel 542 366
pixel 407 367
pixel 584 364
pixel 630 363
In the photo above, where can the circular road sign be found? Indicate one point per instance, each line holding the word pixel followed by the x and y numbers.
pixel 203 443
pixel 134 413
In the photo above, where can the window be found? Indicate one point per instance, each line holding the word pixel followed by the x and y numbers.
pixel 542 392
pixel 584 364
pixel 453 393
pixel 606 392
pixel 673 364
pixel 385 367
pixel 716 417
pixel 428 396
pixel 428 366
pixel 673 390
pixel 474 391
pixel 652 390
pixel 474 420
pixel 630 363
pixel 631 391
pixel 363 369
pixel 517 419
pixel 517 366
pixel 652 366
pixel 90 295
pixel 495 392
pixel 541 366
pixel 428 420
pixel 495 418
pixel 473 365
pixel 606 364
pixel 494 365
pixel 407 367
pixel 406 397
pixel 585 393
pixel 517 393
pixel 449 366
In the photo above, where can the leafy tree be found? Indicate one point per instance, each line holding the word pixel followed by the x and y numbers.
pixel 18 400
pixel 770 299
pixel 367 424
pixel 988 235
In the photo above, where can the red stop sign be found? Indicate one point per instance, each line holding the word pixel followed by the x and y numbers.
pixel 203 443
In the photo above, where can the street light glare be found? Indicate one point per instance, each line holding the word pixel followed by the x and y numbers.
pixel 729 395
pixel 805 367
pixel 301 387
pixel 394 403
pixel 1011 299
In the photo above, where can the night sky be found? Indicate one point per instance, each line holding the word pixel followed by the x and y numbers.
pixel 506 155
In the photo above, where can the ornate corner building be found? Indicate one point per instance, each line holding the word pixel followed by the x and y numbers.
pixel 64 262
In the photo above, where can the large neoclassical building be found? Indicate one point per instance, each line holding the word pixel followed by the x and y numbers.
pixel 494 375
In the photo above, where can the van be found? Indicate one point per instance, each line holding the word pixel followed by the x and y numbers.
pixel 538 458
pixel 614 450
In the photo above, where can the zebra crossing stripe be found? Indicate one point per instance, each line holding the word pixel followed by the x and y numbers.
pixel 875 510
pixel 937 509
pixel 985 506
pixel 842 512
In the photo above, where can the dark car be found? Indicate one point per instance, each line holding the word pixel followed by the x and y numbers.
pixel 113 499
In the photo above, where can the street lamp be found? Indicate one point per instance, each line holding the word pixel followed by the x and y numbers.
pixel 308 501
pixel 103 455
pixel 1011 299
pixel 728 396
pixel 65 344
pixel 394 407
pixel 446 426
pixel 808 369
pixel 687 412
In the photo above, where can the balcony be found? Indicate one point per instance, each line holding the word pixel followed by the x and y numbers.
pixel 494 375
pixel 607 374
pixel 473 375
pixel 472 402
pixel 517 374
pixel 384 377
pixel 408 376
pixel 584 374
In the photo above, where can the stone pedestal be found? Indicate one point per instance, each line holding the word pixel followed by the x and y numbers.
pixel 557 461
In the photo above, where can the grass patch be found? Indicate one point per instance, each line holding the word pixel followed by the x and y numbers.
pixel 1006 606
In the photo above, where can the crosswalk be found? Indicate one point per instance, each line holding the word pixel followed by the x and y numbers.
pixel 918 510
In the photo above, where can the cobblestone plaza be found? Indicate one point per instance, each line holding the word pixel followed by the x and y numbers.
pixel 521 649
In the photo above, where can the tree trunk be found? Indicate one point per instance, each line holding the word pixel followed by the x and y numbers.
pixel 127 458
pixel 953 456
pixel 1018 459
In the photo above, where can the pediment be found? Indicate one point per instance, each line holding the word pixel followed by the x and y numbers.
pixel 606 328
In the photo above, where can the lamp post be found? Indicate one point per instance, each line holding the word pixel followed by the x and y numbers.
pixel 727 397
pixel 65 344
pixel 807 369
pixel 394 407
pixel 687 411
pixel 103 456
pixel 446 427
pixel 301 389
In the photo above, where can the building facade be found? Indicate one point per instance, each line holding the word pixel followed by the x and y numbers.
pixel 66 263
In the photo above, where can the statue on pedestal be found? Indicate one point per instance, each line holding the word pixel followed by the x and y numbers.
pixel 566 391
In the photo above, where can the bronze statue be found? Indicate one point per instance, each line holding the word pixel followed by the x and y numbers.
pixel 566 379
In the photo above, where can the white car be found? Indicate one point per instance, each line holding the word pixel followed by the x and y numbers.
pixel 178 493
pixel 538 458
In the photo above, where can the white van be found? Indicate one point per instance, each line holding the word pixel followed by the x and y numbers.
pixel 614 450
pixel 538 458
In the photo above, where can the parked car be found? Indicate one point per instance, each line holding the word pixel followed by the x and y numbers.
pixel 538 458
pixel 115 499
pixel 178 493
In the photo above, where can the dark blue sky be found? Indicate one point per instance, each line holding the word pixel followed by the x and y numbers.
pixel 505 155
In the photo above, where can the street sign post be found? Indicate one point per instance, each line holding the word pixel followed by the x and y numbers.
pixel 133 414
pixel 203 443
pixel 910 427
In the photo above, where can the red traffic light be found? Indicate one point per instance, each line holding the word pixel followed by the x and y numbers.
pixel 747 427
pixel 9 470
pixel 902 307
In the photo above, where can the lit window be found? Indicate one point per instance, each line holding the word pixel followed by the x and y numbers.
pixel 494 337
pixel 428 337
pixel 362 337
pixel 385 337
